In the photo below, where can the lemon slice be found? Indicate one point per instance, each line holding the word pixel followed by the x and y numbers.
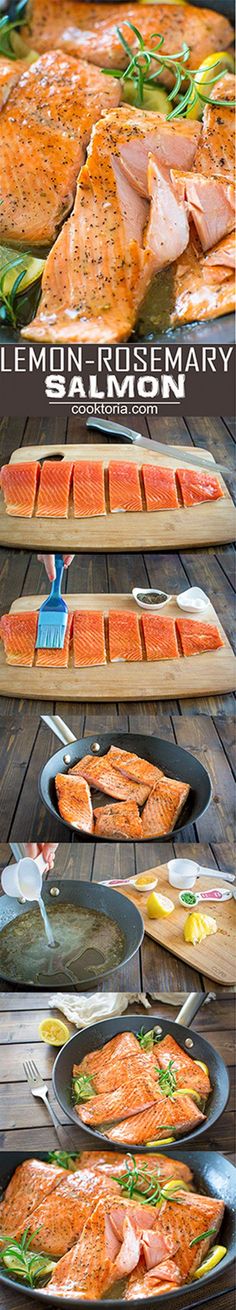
pixel 202 1066
pixel 213 1259
pixel 188 1091
pixel 215 64
pixel 54 1032
pixel 161 1141
pixel 154 97
pixel 173 1183
pixel 159 907
pixel 33 268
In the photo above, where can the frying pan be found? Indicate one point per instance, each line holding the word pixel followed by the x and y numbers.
pixel 91 1038
pixel 213 1175
pixel 175 762
pixel 91 896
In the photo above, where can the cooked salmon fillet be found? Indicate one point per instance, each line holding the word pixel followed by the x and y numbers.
pixel 197 637
pixel 88 489
pixel 168 227
pixel 210 204
pixel 159 635
pixel 74 801
pixel 54 490
pixel 159 487
pixel 87 1270
pixel 56 1224
pixel 118 821
pixel 140 1286
pixel 124 636
pixel 10 72
pixel 90 30
pixel 223 258
pixel 89 638
pixel 47 658
pixel 124 487
pixel 18 633
pixel 31 1182
pixel 120 1071
pixel 193 1215
pixel 216 148
pixel 100 774
pixel 180 1115
pixel 45 129
pixel 198 485
pixel 110 1162
pixel 121 1047
pixel 187 1071
pixel 125 1101
pixel 170 144
pixel 163 807
pixel 201 291
pixel 133 766
pixel 19 484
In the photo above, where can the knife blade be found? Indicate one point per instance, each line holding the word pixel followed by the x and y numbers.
pixel 121 433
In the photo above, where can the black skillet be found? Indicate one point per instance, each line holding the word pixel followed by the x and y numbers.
pixel 95 1037
pixel 175 762
pixel 213 1175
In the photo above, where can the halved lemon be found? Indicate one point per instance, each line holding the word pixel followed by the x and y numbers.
pixel 202 1066
pixel 213 1259
pixel 54 1032
pixel 32 268
pixel 188 1091
pixel 158 906
pixel 215 65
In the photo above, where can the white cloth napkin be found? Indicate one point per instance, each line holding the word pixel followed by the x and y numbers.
pixel 83 1010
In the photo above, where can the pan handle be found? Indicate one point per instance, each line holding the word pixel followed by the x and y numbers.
pixel 193 1003
pixel 60 728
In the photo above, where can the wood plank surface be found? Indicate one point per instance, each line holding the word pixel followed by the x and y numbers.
pixel 215 956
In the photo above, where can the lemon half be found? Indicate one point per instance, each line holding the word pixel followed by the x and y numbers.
pixel 214 65
pixel 159 907
pixel 54 1032
pixel 213 1259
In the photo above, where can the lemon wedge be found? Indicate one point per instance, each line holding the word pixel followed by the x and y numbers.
pixel 213 1259
pixel 159 907
pixel 188 1091
pixel 202 1066
pixel 198 926
pixel 54 1032
pixel 33 269
pixel 215 64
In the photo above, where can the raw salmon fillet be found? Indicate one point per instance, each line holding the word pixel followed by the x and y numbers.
pixel 18 633
pixel 74 801
pixel 124 636
pixel 30 1184
pixel 132 766
pixel 159 637
pixel 100 774
pixel 159 487
pixel 89 638
pixel 88 489
pixel 122 1103
pixel 124 487
pixel 19 483
pixel 90 30
pixel 118 821
pixel 56 659
pixel 187 1071
pixel 181 1114
pixel 61 1216
pixel 54 490
pixel 163 807
pixel 197 637
pixel 198 486
pixel 193 1215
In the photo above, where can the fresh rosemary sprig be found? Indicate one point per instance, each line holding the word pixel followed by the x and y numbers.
pixel 20 1260
pixel 82 1088
pixel 185 87
pixel 64 1159
pixel 148 1039
pixel 8 312
pixel 209 1233
pixel 8 26
pixel 143 1183
pixel 167 1079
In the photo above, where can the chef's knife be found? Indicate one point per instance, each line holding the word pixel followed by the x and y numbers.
pixel 126 434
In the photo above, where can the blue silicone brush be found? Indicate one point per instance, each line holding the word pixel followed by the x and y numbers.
pixel 53 614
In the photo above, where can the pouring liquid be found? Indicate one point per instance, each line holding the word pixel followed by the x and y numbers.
pixel 47 925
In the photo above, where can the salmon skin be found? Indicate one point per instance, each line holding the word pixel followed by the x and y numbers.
pixel 196 486
pixel 163 807
pixel 187 1071
pixel 124 636
pixel 159 637
pixel 74 801
pixel 124 487
pixel 90 30
pixel 89 638
pixel 180 1115
pixel 197 638
pixel 19 483
pixel 159 487
pixel 56 659
pixel 18 633
pixel 31 1183
pixel 118 821
pixel 54 490
pixel 100 774
pixel 88 489
pixel 132 766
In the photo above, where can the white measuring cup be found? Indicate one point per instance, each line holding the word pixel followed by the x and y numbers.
pixel 24 879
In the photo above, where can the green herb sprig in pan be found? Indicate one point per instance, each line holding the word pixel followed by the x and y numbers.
pixel 82 1088
pixel 146 1184
pixel 22 1262
pixel 186 88
pixel 8 26
pixel 65 1159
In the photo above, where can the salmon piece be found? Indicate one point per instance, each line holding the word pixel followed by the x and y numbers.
pixel 170 145
pixel 54 490
pixel 196 637
pixel 87 1270
pixel 180 1115
pixel 89 638
pixel 215 152
pixel 132 766
pixel 100 774
pixel 124 636
pixel 223 256
pixel 200 291
pixel 19 484
pixel 193 1215
pixel 56 659
pixel 168 228
pixel 159 637
pixel 186 1069
pixel 88 489
pixel 90 30
pixel 122 1103
pixel 61 1216
pixel 74 801
pixel 119 1072
pixel 140 1286
pixel 124 487
pixel 52 108
pixel 196 485
pixel 110 1162
pixel 118 821
pixel 31 1183
pixel 123 1046
pixel 159 487
pixel 210 204
pixel 10 73
pixel 18 633
pixel 163 807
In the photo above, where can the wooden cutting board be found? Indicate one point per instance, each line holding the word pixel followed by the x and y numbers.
pixel 197 675
pixel 200 525
pixel 215 956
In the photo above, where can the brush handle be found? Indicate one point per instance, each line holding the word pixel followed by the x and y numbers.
pixel 55 593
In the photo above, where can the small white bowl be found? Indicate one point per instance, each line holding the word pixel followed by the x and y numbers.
pixel 194 599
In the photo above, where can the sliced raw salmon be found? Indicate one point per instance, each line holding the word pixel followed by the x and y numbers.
pixel 124 636
pixel 18 633
pixel 30 1184
pixel 180 1115
pixel 193 1215
pixel 74 801
pixel 216 149
pixel 122 1103
pixel 88 489
pixel 118 821
pixel 170 144
pixel 159 487
pixel 57 1223
pixel 196 637
pixel 56 659
pixel 168 229
pixel 187 1071
pixel 89 638
pixel 54 490
pixel 159 637
pixel 210 203
pixel 198 485
pixel 100 774
pixel 132 766
pixel 124 487
pixel 19 484
pixel 90 30
pixel 163 807
pixel 200 291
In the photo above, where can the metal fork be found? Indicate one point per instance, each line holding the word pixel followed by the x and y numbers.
pixel 39 1088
